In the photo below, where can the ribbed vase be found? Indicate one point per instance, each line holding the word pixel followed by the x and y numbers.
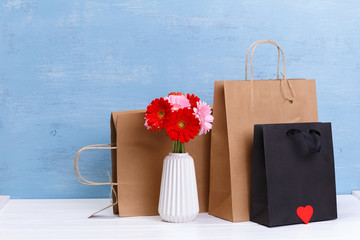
pixel 178 194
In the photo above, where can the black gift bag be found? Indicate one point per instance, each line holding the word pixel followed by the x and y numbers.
pixel 293 176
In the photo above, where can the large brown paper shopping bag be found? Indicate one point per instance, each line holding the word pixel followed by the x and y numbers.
pixel 238 105
pixel 137 157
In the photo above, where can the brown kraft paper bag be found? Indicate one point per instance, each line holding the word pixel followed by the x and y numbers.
pixel 238 105
pixel 138 162
pixel 137 158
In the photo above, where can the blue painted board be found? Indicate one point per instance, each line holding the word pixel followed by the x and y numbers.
pixel 66 65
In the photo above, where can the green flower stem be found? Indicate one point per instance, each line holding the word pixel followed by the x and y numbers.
pixel 174 147
pixel 178 146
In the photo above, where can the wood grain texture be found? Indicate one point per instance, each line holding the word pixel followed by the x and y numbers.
pixel 65 65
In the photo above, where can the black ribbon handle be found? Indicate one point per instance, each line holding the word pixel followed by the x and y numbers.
pixel 313 142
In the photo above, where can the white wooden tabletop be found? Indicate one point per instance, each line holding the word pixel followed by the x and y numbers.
pixel 67 219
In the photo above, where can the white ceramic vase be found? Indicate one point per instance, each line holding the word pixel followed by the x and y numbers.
pixel 178 194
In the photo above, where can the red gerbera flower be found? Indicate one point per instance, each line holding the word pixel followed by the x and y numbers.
pixel 193 100
pixel 182 125
pixel 157 114
pixel 176 93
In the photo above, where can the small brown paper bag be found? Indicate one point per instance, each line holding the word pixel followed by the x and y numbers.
pixel 137 158
pixel 238 105
pixel 137 164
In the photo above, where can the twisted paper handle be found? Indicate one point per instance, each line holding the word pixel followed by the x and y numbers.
pixel 247 54
pixel 82 180
pixel 284 79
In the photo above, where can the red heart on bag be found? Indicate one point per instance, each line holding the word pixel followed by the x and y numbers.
pixel 305 213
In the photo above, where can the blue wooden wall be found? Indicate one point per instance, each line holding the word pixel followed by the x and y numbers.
pixel 66 65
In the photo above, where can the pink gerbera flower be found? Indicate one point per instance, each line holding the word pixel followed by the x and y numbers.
pixel 178 102
pixel 147 124
pixel 203 113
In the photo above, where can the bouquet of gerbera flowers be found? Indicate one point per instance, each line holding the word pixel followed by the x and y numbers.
pixel 183 116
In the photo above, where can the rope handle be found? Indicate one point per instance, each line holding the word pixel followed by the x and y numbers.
pixel 256 44
pixel 82 180
pixel 247 54
pixel 252 57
